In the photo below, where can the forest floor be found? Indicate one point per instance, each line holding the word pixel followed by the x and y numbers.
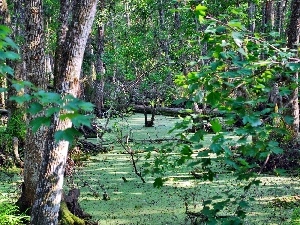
pixel 134 202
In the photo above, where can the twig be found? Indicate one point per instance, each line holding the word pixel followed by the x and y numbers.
pixel 129 150
pixel 265 163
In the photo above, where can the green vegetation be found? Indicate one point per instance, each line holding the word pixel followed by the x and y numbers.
pixel 135 202
pixel 9 214
pixel 296 217
pixel 233 158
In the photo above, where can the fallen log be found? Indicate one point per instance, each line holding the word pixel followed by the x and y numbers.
pixel 161 110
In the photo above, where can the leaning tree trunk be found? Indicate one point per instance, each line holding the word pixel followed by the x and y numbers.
pixel 293 33
pixel 49 191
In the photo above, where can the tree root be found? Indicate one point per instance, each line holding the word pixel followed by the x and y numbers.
pixel 67 218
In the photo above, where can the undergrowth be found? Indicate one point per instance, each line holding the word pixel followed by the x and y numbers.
pixel 9 214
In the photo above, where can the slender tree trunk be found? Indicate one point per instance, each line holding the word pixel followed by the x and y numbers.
pixel 251 13
pixel 176 16
pixel 127 14
pixel 268 15
pixel 65 12
pixel 280 15
pixel 5 20
pixel 293 33
pixel 17 25
pixel 49 191
pixel 100 70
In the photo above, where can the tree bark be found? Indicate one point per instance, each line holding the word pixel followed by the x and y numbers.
pixel 34 57
pixel 293 33
pixel 5 20
pixel 269 15
pixel 100 71
pixel 251 13
pixel 49 190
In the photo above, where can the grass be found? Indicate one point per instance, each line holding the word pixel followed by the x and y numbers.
pixel 134 202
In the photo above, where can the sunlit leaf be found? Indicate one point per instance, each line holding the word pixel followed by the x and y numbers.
pixel 216 125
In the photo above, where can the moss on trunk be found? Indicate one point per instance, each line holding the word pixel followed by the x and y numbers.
pixel 67 218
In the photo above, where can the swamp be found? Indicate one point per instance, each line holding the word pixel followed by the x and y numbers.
pixel 182 195
pixel 126 112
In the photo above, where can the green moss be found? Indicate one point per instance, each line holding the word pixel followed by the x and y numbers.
pixel 67 218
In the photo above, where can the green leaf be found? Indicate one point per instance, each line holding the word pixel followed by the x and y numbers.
pixel 235 24
pixel 274 147
pixel 201 9
pixel 288 119
pixel 294 66
pixel 21 99
pixel 280 172
pixel 6 69
pixel 252 120
pixel 68 134
pixel 11 55
pixel 213 98
pixel 36 123
pixel 3 89
pixel 198 136
pixel 49 112
pixel 48 97
pixel 238 38
pixel 86 106
pixel 200 12
pixel 34 108
pixel 79 120
pixel 216 125
pixel 216 148
pixel 11 43
pixel 186 150
pixel 158 182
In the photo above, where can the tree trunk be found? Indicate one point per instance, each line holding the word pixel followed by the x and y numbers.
pixel 251 13
pixel 100 71
pixel 34 57
pixel 268 15
pixel 293 32
pixel 49 190
pixel 280 15
pixel 4 19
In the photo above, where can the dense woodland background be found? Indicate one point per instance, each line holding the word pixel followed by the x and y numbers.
pixel 224 66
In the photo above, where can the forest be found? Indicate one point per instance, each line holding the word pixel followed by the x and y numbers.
pixel 178 112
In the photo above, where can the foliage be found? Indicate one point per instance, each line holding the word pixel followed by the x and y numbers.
pixel 234 82
pixel 16 126
pixel 9 214
pixel 296 217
